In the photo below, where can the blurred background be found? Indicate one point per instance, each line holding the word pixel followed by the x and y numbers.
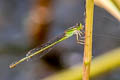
pixel 25 24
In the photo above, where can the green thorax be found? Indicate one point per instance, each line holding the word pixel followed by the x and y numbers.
pixel 71 31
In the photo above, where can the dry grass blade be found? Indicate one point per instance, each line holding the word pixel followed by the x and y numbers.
pixel 110 6
pixel 101 64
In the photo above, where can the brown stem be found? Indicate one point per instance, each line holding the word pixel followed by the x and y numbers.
pixel 39 20
pixel 88 39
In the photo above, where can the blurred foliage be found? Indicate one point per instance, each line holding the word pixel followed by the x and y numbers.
pixel 38 21
pixel 104 63
pixel 112 6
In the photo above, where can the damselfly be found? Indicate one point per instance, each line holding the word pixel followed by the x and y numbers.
pixel 75 30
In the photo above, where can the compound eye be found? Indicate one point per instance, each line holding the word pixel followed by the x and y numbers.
pixel 82 27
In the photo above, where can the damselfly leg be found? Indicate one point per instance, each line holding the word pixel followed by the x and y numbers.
pixel 79 34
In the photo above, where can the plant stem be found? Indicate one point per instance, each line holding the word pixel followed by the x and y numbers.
pixel 88 39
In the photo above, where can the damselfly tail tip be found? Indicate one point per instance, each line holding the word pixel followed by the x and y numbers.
pixel 12 66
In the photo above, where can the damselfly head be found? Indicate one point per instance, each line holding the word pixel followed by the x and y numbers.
pixel 79 26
